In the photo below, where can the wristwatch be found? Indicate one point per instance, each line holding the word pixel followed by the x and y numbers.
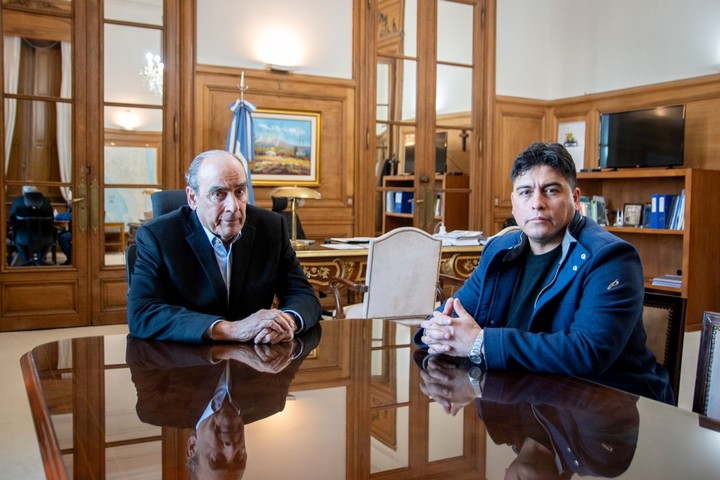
pixel 476 354
pixel 475 377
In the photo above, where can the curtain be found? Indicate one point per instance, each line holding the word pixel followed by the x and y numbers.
pixel 64 121
pixel 12 74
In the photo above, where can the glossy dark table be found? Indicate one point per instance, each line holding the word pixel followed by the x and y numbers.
pixel 352 399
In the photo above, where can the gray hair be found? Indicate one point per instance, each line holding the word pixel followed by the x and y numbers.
pixel 29 188
pixel 192 173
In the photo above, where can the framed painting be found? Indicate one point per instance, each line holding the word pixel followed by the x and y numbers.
pixel 286 148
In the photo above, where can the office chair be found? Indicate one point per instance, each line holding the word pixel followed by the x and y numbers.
pixel 34 234
pixel 36 200
pixel 664 321
pixel 706 398
pixel 166 201
pixel 130 257
pixel 279 204
pixel 402 274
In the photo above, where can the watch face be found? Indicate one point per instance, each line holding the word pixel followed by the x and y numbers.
pixel 475 373
pixel 475 358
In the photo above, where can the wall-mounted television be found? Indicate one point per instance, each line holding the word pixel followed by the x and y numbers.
pixel 652 137
pixel 441 139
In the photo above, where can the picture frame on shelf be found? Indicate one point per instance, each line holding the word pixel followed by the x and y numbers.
pixel 632 214
pixel 286 148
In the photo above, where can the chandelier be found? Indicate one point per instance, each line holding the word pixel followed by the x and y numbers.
pixel 152 74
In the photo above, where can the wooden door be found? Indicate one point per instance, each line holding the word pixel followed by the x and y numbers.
pixel 72 86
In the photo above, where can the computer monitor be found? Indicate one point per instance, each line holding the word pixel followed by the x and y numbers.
pixel 440 154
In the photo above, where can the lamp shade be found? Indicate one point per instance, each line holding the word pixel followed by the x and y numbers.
pixel 295 192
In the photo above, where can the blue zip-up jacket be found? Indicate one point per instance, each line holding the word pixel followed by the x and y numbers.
pixel 587 321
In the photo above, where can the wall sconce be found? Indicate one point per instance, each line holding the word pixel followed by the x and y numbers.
pixel 280 47
pixel 281 68
pixel 294 194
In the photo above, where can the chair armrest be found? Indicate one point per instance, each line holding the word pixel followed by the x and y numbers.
pixel 447 280
pixel 336 283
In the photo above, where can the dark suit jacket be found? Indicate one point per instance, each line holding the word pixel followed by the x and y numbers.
pixel 175 381
pixel 177 290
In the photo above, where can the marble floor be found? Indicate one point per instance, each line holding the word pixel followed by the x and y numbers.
pixel 19 454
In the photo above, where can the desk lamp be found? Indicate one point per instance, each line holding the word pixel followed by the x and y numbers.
pixel 293 194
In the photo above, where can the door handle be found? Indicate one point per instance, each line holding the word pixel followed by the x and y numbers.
pixel 80 212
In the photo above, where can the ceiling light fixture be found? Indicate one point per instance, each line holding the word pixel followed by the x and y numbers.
pixel 152 74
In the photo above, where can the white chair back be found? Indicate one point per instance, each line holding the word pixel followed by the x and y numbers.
pixel 402 275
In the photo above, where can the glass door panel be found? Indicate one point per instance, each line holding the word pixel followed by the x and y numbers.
pixel 134 68
pixel 38 138
pixel 130 77
pixel 455 32
pixel 149 12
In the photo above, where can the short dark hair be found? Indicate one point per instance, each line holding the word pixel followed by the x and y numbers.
pixel 552 155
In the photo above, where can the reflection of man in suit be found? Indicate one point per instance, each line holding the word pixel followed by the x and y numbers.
pixel 211 270
pixel 557 426
pixel 214 390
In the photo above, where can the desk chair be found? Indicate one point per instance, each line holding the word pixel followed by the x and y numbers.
pixel 453 283
pixel 35 235
pixel 402 274
pixel 130 257
pixel 36 200
pixel 664 321
pixel 706 399
pixel 279 205
pixel 166 201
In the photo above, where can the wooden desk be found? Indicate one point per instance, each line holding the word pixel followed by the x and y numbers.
pixel 348 406
pixel 322 264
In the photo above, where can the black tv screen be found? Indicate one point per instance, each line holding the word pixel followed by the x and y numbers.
pixel 440 154
pixel 653 137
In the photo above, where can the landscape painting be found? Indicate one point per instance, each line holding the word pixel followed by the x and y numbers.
pixel 286 148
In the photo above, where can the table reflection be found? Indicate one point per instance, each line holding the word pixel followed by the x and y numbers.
pixel 352 399
pixel 557 426
pixel 214 391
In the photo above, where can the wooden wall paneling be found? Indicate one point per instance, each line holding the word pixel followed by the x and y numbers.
pixel 217 88
pixel 702 141
pixel 518 123
pixel 60 305
pixel 700 252
pixel 36 26
pixel 701 97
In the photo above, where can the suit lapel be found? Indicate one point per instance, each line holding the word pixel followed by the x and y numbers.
pixel 198 241
pixel 240 261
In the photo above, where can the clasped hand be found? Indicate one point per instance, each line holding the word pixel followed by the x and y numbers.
pixel 450 335
pixel 446 383
pixel 263 326
pixel 261 357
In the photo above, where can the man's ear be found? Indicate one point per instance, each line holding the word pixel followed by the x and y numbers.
pixel 191 445
pixel 191 197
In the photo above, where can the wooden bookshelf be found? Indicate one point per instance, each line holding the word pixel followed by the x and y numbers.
pixel 693 251
pixel 452 194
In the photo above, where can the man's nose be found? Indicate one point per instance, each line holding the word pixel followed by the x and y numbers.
pixel 538 200
pixel 232 203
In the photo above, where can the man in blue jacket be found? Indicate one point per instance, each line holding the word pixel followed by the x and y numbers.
pixel 560 296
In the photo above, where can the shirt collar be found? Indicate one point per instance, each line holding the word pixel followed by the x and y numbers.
pixel 211 235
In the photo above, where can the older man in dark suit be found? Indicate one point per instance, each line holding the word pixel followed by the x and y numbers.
pixel 210 270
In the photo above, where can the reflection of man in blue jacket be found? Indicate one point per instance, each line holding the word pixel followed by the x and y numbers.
pixel 561 296
pixel 558 426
